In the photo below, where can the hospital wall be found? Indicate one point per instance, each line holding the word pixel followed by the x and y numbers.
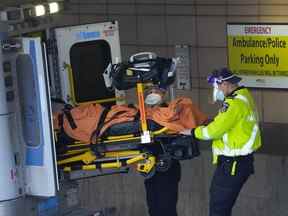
pixel 158 25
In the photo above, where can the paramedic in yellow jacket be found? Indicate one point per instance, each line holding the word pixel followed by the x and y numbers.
pixel 236 136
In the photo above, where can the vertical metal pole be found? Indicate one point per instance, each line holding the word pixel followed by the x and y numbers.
pixel 142 106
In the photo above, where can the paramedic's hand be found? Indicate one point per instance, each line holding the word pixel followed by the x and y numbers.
pixel 188 132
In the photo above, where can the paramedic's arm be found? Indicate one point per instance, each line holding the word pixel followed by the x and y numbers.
pixel 225 120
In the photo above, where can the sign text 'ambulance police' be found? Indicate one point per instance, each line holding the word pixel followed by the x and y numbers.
pixel 258 49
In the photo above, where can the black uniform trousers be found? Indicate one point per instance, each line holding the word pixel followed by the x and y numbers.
pixel 162 191
pixel 225 187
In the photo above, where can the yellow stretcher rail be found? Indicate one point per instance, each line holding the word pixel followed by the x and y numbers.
pixel 118 163
pixel 71 83
pixel 94 167
pixel 112 139
pixel 120 137
pixel 121 154
pixel 73 152
pixel 89 157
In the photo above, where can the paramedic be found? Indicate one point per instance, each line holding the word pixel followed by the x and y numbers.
pixel 235 134
pixel 162 188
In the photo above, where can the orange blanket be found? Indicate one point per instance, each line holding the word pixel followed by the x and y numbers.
pixel 180 114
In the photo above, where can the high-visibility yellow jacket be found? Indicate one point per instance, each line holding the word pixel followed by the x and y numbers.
pixel 235 129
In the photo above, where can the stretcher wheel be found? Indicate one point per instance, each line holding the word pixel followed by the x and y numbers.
pixel 163 163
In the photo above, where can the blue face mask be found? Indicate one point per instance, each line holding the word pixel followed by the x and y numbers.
pixel 153 99
pixel 218 95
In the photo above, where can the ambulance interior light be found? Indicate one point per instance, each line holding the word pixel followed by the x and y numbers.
pixel 39 10
pixel 54 7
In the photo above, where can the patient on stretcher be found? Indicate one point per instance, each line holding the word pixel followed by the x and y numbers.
pixel 94 137
pixel 86 123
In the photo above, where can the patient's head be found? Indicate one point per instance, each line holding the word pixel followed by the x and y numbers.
pixel 154 96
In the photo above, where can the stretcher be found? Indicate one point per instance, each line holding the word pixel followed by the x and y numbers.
pixel 122 151
pixel 142 144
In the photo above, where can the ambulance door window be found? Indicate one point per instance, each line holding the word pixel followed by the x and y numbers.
pixel 88 61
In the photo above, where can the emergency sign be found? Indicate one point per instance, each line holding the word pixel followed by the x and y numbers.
pixel 258 53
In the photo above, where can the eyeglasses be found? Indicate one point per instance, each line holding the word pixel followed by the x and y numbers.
pixel 214 79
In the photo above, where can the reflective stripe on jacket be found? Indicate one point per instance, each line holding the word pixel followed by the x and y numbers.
pixel 235 130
